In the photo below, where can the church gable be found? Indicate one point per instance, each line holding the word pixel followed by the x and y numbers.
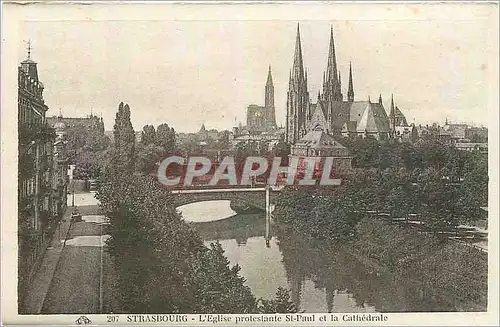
pixel 357 110
pixel 367 121
pixel 318 119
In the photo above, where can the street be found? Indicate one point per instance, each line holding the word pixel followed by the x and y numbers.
pixel 77 283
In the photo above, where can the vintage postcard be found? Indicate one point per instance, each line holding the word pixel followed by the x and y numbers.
pixel 250 163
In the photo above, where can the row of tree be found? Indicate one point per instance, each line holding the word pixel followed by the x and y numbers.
pixel 161 263
pixel 333 212
pixel 425 153
pixel 86 148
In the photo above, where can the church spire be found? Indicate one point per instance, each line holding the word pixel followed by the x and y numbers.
pixel 269 100
pixel 350 92
pixel 331 70
pixel 269 78
pixel 380 99
pixel 392 117
pixel 392 113
pixel 298 65
pixel 297 96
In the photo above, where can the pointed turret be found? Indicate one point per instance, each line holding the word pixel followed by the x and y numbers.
pixel 380 99
pixel 392 117
pixel 350 92
pixel 392 114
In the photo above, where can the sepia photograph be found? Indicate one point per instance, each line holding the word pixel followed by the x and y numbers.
pixel 261 165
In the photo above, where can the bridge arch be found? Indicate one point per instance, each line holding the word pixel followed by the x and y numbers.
pixel 254 199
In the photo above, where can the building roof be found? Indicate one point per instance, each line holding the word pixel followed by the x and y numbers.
pixel 374 119
pixel 28 61
pixel 353 111
pixel 319 139
pixel 349 126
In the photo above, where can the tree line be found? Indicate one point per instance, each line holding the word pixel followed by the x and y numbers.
pixel 442 186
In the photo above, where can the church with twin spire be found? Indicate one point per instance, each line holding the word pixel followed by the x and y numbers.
pixel 332 114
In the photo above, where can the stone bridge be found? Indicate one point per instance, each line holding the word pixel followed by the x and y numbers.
pixel 239 197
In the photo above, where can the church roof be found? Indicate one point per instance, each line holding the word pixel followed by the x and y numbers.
pixel 374 119
pixel 349 126
pixel 318 119
pixel 318 139
pixel 353 111
pixel 28 61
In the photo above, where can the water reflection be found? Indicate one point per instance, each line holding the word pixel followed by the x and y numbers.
pixel 324 277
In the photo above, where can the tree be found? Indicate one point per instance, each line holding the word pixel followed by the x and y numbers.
pixel 473 190
pixel 223 140
pixel 165 137
pixel 124 145
pixel 148 157
pixel 282 149
pixel 161 263
pixel 148 135
pixel 281 304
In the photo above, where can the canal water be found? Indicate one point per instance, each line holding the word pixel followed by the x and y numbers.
pixel 321 278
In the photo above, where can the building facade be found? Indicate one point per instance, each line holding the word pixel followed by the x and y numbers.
pixel 42 174
pixel 35 147
pixel 317 143
pixel 91 122
pixel 331 112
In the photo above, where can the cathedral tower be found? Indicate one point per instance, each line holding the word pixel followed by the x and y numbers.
pixel 331 86
pixel 297 104
pixel 269 101
pixel 332 92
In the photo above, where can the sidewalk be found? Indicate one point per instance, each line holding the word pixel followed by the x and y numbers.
pixel 43 276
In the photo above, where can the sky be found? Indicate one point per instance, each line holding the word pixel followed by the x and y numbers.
pixel 191 72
